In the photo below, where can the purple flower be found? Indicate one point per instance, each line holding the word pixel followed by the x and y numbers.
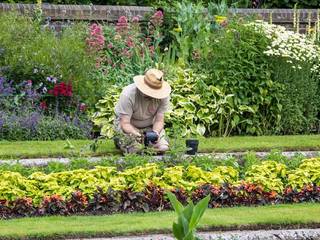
pixel 26 120
pixel 6 88
pixel 52 79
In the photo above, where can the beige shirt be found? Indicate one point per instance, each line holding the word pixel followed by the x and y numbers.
pixel 140 109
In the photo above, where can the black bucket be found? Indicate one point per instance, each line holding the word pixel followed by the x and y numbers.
pixel 192 146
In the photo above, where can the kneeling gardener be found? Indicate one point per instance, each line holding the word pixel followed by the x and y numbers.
pixel 141 108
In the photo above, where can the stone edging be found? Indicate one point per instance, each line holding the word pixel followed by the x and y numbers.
pixel 292 234
pixel 222 156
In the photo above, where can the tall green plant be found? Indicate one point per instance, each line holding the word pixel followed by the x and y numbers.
pixel 188 217
pixel 236 64
pixel 192 30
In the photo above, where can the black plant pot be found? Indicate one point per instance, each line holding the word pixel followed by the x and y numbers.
pixel 192 145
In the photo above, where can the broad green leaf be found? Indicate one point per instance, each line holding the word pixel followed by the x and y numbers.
pixel 177 206
pixel 201 129
pixel 188 210
pixel 177 231
pixel 198 212
pixel 184 222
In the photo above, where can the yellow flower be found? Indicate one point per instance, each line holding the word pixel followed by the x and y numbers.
pixel 220 19
pixel 178 29
pixel 311 30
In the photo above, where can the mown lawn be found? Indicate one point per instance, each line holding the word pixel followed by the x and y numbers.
pixel 34 149
pixel 139 223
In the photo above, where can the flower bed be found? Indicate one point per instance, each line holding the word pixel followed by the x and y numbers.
pixel 104 190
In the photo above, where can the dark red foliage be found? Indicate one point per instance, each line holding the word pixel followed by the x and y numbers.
pixel 53 205
pixel 78 203
pixel 23 207
pixel 310 193
pixel 154 199
pixel 181 195
pixel 5 211
pixel 133 201
pixel 104 202
pixel 227 196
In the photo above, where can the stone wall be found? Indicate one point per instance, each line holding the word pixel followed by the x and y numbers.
pixel 112 13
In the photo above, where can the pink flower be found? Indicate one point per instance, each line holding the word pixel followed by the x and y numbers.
pixel 122 25
pixel 110 45
pixel 130 42
pixel 157 18
pixel 96 40
pixel 136 19
pixel 82 107
pixel 29 83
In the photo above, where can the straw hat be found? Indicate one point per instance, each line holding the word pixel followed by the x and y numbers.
pixel 152 84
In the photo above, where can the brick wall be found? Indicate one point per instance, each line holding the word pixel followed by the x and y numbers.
pixel 111 13
pixel 79 12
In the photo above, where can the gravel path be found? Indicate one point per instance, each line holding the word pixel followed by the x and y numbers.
pixel 45 161
pixel 298 234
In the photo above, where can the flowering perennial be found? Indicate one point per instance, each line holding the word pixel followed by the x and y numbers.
pixel 96 40
pixel 296 48
pixel 61 89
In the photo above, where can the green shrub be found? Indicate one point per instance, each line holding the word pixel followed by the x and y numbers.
pixel 236 64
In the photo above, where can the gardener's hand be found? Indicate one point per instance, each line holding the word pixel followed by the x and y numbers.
pixel 139 137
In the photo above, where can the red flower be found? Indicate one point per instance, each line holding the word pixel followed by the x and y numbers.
pixel 43 105
pixel 61 89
